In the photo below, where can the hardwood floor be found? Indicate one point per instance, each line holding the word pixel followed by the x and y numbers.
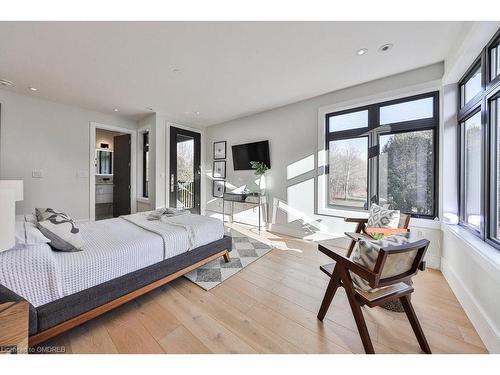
pixel 270 307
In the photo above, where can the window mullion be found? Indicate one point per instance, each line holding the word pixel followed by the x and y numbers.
pixel 373 116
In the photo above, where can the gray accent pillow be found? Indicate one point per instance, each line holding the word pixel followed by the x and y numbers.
pixel 366 253
pixel 381 217
pixel 60 229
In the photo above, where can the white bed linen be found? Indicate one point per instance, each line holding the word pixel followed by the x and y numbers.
pixel 112 249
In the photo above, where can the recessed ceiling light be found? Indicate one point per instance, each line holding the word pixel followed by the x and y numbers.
pixel 149 108
pixel 33 88
pixel 116 109
pixel 6 82
pixel 176 70
pixel 385 47
pixel 361 51
pixel 197 113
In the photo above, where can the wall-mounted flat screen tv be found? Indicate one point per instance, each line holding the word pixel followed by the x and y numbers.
pixel 244 154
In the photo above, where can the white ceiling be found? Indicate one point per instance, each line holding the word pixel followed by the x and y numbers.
pixel 225 69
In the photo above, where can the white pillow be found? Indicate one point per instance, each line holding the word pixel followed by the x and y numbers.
pixel 366 254
pixel 30 218
pixel 28 234
pixel 381 217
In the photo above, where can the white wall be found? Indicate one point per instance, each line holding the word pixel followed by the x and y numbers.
pixel 53 137
pixel 293 136
pixel 471 267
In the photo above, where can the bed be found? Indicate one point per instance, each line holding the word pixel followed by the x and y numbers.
pixel 122 258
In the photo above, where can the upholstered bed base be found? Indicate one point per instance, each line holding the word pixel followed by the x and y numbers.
pixel 100 297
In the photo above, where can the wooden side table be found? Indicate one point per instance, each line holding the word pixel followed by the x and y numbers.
pixel 14 318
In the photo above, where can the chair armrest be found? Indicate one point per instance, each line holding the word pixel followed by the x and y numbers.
pixel 355 220
pixel 359 270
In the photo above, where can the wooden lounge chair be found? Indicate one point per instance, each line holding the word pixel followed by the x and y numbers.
pixel 385 288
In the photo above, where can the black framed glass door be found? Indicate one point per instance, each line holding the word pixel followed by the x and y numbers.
pixel 185 174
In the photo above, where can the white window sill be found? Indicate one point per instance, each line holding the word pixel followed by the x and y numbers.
pixel 142 200
pixel 487 253
pixel 414 222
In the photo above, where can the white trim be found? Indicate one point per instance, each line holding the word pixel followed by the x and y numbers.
pixel 474 311
pixel 133 164
pixel 486 255
pixel 488 258
pixel 202 162
pixel 321 199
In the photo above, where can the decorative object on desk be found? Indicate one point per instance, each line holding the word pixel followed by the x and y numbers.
pixel 260 169
pixel 11 191
pixel 245 251
pixel 219 188
pixel 220 150
pixel 219 169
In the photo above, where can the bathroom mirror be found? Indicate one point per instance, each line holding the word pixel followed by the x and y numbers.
pixel 104 162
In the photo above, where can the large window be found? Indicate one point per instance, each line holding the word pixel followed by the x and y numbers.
pixel 384 153
pixel 406 171
pixel 494 59
pixel 145 164
pixel 472 155
pixel 495 120
pixel 479 154
pixel 348 172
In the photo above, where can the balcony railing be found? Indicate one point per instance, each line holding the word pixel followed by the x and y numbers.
pixel 185 194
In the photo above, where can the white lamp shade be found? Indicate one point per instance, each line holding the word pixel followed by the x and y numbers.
pixel 7 218
pixel 16 185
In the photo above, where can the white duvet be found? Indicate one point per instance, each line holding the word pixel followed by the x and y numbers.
pixel 112 249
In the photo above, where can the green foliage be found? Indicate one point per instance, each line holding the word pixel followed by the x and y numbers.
pixel 407 172
pixel 259 167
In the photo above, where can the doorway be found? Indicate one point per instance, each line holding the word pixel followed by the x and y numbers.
pixel 111 171
pixel 185 172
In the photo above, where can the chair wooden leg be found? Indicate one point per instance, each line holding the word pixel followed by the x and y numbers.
pixel 329 294
pixel 226 257
pixel 412 317
pixel 356 311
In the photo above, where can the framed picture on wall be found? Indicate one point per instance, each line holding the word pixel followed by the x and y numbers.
pixel 219 170
pixel 219 150
pixel 219 188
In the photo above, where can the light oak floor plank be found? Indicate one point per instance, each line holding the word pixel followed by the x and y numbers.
pixel 270 307
pixel 181 341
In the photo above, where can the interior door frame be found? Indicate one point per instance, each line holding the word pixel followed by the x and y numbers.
pixel 169 125
pixel 133 164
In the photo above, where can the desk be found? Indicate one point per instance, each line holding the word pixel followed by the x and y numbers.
pixel 258 200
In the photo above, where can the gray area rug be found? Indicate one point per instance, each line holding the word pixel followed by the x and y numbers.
pixel 245 251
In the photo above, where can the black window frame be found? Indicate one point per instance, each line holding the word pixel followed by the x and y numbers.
pixel 480 103
pixel 373 131
pixel 145 156
pixel 494 43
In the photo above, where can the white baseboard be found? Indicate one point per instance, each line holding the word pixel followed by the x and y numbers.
pixel 480 320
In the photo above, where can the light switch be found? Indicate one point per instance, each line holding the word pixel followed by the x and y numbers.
pixel 37 173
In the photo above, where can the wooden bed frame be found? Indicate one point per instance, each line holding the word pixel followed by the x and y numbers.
pixel 88 315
